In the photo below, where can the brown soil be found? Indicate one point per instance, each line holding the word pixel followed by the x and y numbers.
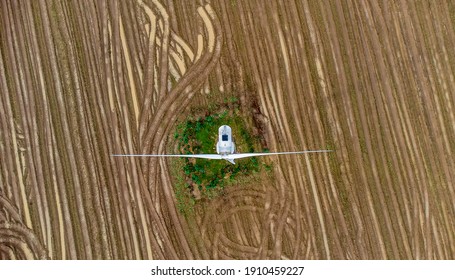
pixel 81 80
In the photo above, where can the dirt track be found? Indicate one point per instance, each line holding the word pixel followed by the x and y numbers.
pixel 372 80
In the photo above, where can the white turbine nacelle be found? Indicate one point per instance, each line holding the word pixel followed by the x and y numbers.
pixel 225 144
pixel 225 149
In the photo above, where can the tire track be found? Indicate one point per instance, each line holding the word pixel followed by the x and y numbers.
pixel 19 189
pixel 28 128
pixel 21 239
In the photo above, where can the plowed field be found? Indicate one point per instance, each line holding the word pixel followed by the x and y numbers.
pixel 372 80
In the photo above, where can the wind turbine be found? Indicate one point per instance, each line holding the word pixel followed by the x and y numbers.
pixel 225 149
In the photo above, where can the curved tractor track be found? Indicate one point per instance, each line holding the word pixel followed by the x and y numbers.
pixel 81 80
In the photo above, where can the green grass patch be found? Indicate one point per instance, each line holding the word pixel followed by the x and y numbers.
pixel 204 179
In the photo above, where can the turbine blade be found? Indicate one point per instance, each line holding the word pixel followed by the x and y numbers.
pixel 231 160
pixel 237 156
pixel 206 156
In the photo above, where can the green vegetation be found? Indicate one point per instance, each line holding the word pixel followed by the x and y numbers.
pixel 205 179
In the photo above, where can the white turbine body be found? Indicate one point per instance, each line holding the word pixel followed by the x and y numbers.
pixel 225 148
pixel 225 144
